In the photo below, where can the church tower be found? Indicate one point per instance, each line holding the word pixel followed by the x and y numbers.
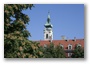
pixel 48 33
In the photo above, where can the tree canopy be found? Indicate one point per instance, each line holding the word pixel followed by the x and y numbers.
pixel 16 43
pixel 52 51
pixel 78 52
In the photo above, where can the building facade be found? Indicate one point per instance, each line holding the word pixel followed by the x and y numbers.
pixel 67 45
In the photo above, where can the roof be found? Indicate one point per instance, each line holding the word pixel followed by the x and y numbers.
pixel 65 43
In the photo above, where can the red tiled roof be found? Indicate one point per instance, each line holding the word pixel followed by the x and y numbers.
pixel 65 43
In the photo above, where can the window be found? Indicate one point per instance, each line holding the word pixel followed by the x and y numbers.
pixel 69 46
pixel 69 54
pixel 61 45
pixel 46 36
pixel 78 45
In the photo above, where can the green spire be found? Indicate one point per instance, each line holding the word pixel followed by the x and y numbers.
pixel 48 19
pixel 48 23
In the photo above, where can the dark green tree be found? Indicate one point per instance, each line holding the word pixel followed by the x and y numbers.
pixel 52 51
pixel 78 52
pixel 15 32
pixel 59 52
pixel 49 51
pixel 16 43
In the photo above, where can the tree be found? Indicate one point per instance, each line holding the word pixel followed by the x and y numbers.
pixel 78 52
pixel 49 51
pixel 59 52
pixel 16 43
pixel 15 32
pixel 52 51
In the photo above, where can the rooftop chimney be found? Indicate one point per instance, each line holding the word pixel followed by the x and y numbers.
pixel 63 37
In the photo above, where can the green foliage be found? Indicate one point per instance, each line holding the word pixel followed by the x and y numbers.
pixel 78 53
pixel 29 50
pixel 16 43
pixel 59 52
pixel 52 51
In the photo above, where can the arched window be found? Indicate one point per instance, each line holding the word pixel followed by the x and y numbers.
pixel 61 45
pixel 69 46
pixel 46 36
pixel 78 45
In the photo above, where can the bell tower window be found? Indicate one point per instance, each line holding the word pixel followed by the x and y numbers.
pixel 46 36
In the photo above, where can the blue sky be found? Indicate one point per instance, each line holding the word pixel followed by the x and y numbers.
pixel 67 20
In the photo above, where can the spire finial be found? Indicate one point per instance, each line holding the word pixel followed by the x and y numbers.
pixel 49 14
